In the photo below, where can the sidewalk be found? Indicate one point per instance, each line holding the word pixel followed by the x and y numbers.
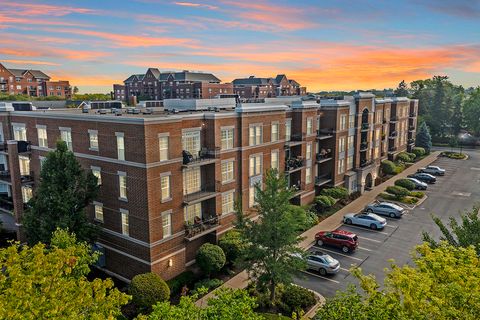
pixel 240 281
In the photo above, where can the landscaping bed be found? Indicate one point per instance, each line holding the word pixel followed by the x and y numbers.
pixel 453 155
pixel 403 191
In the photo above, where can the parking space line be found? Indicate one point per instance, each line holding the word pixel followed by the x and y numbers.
pixel 390 226
pixel 343 269
pixel 365 229
pixel 341 254
pixel 362 248
pixel 368 239
pixel 321 277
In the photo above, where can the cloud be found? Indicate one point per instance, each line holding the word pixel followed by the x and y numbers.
pixel 30 62
pixel 460 8
pixel 195 5
pixel 35 9
pixel 7 20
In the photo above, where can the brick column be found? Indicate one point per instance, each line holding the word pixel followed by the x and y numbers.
pixel 16 189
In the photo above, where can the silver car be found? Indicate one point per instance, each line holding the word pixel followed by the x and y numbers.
pixel 435 170
pixel 419 184
pixel 386 209
pixel 323 263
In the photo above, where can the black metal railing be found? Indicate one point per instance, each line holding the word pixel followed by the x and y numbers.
pixel 294 163
pixel 297 137
pixel 320 180
pixel 393 134
pixel 363 146
pixel 384 121
pixel 393 119
pixel 365 163
pixel 323 132
pixel 411 128
pixel 203 154
pixel 26 178
pixel 413 114
pixel 325 155
pixel 392 149
pixel 6 203
pixel 365 126
pixel 200 226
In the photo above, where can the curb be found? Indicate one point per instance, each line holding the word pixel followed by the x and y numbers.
pixel 420 201
pixel 310 314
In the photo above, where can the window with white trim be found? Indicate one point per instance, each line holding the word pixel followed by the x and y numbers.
pixel 163 147
pixel 97 172
pixel 274 163
pixel 192 180
pixel 343 122
pixel 351 121
pixel 341 144
pixel 252 196
pixel 167 224
pixel 288 130
pixel 274 132
pixel 165 188
pixel 227 139
pixel 255 135
pixel 191 142
pixel 341 166
pixel 309 126
pixel 349 162
pixel 308 153
pixel 98 211
pixel 120 146
pixel 125 222
pixel 24 163
pixel 66 136
pixel 27 193
pixel 350 142
pixel 227 171
pixel 20 132
pixel 42 137
pixel 192 211
pixel 255 165
pixel 228 202
pixel 122 185
pixel 308 175
pixel 93 136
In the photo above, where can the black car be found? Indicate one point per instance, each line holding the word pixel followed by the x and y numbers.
pixel 425 177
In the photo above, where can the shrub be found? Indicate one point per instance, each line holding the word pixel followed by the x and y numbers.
pixel 232 245
pixel 322 203
pixel 354 195
pixel 176 284
pixel 454 155
pixel 407 184
pixel 210 258
pixel 209 284
pixel 388 167
pixel 147 289
pixel 296 299
pixel 417 194
pixel 398 192
pixel 412 155
pixel 399 167
pixel 336 192
pixel 419 151
pixel 409 200
pixel 403 157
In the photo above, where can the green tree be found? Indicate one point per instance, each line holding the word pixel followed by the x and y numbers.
pixel 272 240
pixel 424 139
pixel 43 282
pixel 59 202
pixel 75 90
pixel 443 283
pixel 402 90
pixel 210 258
pixel 228 304
pixel 148 289
pixel 471 109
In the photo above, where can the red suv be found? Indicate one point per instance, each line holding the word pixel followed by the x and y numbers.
pixel 345 240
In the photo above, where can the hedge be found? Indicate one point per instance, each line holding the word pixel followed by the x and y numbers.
pixel 324 202
pixel 398 192
pixel 209 284
pixel 407 184
pixel 389 167
pixel 296 299
pixel 404 157
pixel 147 289
pixel 419 151
pixel 417 194
pixel 210 258
pixel 232 245
pixel 336 192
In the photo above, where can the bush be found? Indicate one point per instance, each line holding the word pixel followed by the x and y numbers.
pixel 403 157
pixel 322 203
pixel 417 194
pixel 176 284
pixel 409 200
pixel 407 184
pixel 419 151
pixel 453 155
pixel 412 156
pixel 388 167
pixel 399 167
pixel 398 192
pixel 336 192
pixel 210 258
pixel 296 299
pixel 147 289
pixel 232 245
pixel 209 284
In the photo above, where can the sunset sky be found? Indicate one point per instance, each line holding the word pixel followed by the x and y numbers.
pixel 325 45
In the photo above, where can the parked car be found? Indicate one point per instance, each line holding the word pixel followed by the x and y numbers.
pixel 365 219
pixel 386 209
pixel 345 240
pixel 419 184
pixel 425 177
pixel 323 263
pixel 434 170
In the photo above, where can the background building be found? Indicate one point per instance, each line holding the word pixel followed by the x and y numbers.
pixel 255 88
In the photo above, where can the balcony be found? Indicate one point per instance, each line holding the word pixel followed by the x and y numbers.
pixel 201 227
pixel 5 176
pixel 411 141
pixel 323 180
pixel 392 149
pixel 365 163
pixel 27 178
pixel 392 135
pixel 205 193
pixel 294 164
pixel 363 146
pixel 204 157
pixel 298 188
pixel 412 115
pixel 324 156
pixel 324 134
pixel 394 119
pixel 411 128
pixel 22 147
pixel 6 204
pixel 365 126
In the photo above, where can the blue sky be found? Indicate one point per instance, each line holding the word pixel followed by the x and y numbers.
pixel 325 45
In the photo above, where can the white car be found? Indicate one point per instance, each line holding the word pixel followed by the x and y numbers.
pixel 419 184
pixel 435 170
pixel 365 219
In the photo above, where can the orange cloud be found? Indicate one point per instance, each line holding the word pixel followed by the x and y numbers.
pixel 33 9
pixel 196 5
pixel 12 21
pixel 26 62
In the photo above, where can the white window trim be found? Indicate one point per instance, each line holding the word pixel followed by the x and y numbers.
pixel 122 174
pixel 164 174
pixel 95 168
pixel 225 194
pixel 228 161
pixel 168 212
pixel 122 212
pixel 89 144
pixel 96 203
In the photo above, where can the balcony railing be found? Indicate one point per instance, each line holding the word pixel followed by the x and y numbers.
pixel 365 163
pixel 391 149
pixel 293 164
pixel 413 114
pixel 324 133
pixel 323 179
pixel 204 156
pixel 6 204
pixel 324 155
pixel 206 192
pixel 364 146
pixel 411 128
pixel 393 135
pixel 365 126
pixel 200 227
pixel 22 146
pixel 393 119
pixel 26 178
pixel 297 137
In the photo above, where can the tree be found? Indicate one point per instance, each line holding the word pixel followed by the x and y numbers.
pixel 65 190
pixel 270 254
pixel 471 109
pixel 463 233
pixel 443 283
pixel 424 140
pixel 43 282
pixel 232 245
pixel 148 289
pixel 210 258
pixel 228 304
pixel 75 90
pixel 402 89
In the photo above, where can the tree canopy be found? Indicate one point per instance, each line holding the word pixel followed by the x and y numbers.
pixel 59 202
pixel 424 139
pixel 471 110
pixel 43 282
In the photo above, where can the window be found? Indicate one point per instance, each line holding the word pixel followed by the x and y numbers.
pixel 120 145
pixel 97 172
pixel 191 180
pixel 227 171
pixel 288 130
pixel 163 147
pixel 66 136
pixel 341 166
pixel 351 121
pixel 308 175
pixel 255 165
pixel 167 224
pixel 227 202
pixel 255 135
pixel 227 139
pixel 376 152
pixel 122 183
pixel 379 116
pixel 27 193
pixel 341 144
pixel 343 122
pixel 19 132
pixel 98 211
pixel 42 160
pixel 349 162
pixel 308 153
pixel 42 137
pixel 24 163
pixel 274 160
pixel 309 126
pixel 318 124
pixel 93 136
pixel 350 142
pixel 192 211
pixel 165 188
pixel 191 141
pixel 274 132
pixel 125 225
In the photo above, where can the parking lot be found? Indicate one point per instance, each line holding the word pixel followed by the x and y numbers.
pixel 458 190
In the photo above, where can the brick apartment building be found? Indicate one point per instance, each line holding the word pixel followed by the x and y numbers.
pixel 258 88
pixel 156 85
pixel 169 176
pixel 119 92
pixel 33 83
